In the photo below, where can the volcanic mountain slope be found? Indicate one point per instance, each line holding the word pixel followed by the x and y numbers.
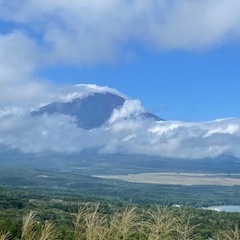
pixel 91 111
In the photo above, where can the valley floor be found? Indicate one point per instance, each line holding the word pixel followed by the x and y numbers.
pixel 182 178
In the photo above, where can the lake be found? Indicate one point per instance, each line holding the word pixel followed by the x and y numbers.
pixel 225 208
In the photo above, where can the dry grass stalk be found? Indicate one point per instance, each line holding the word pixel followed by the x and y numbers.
pixel 28 228
pixel 5 236
pixel 184 228
pixel 90 224
pixel 79 222
pixel 48 232
pixel 232 234
pixel 162 223
pixel 96 225
pixel 122 225
pixel 31 232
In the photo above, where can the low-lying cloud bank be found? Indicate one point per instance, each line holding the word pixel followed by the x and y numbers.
pixel 20 130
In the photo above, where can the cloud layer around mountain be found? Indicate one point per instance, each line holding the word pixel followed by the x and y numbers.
pixel 20 130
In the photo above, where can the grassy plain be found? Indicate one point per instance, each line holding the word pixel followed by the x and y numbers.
pixel 172 178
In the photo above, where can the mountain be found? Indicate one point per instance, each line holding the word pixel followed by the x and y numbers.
pixel 91 111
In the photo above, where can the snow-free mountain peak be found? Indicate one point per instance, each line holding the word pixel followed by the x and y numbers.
pixel 91 105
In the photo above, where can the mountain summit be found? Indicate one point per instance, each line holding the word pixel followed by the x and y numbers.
pixel 91 111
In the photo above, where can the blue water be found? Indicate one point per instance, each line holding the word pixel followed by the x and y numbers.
pixel 225 208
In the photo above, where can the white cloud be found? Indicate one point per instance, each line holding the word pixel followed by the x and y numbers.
pixel 130 109
pixel 19 57
pixel 68 93
pixel 90 31
pixel 20 130
pixel 16 53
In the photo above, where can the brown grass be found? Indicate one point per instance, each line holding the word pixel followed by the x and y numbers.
pixel 5 236
pixel 89 223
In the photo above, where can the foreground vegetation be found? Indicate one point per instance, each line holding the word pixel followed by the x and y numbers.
pixel 49 200
pixel 90 222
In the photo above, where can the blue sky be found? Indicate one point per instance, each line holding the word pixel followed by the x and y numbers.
pixel 180 58
pixel 176 85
